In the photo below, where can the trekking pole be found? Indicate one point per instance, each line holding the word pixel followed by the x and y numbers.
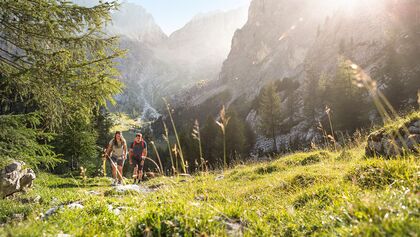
pixel 116 167
pixel 104 162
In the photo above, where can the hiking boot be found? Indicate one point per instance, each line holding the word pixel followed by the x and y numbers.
pixel 113 182
pixel 135 181
pixel 119 182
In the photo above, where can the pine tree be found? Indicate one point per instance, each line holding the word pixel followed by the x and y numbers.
pixel 395 91
pixel 21 139
pixel 291 105
pixel 77 144
pixel 56 60
pixel 58 65
pixel 346 100
pixel 102 125
pixel 269 112
pixel 311 94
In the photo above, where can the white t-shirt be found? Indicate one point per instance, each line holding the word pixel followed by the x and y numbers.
pixel 117 150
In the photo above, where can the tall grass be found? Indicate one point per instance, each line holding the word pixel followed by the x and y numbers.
pixel 181 155
pixel 166 138
pixel 382 104
pixel 332 136
pixel 223 124
pixel 196 135
pixel 158 157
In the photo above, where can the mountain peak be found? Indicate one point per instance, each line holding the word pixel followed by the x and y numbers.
pixel 134 22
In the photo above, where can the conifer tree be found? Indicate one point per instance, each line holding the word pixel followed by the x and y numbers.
pixel 346 100
pixel 393 78
pixel 311 94
pixel 77 143
pixel 57 64
pixel 269 112
pixel 56 60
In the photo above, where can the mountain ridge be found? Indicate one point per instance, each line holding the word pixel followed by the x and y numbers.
pixel 191 55
pixel 293 40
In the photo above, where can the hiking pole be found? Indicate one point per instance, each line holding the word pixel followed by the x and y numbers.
pixel 116 167
pixel 104 162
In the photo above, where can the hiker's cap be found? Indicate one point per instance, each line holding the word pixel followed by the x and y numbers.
pixel 139 134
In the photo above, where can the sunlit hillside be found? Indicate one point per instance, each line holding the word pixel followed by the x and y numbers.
pixel 209 118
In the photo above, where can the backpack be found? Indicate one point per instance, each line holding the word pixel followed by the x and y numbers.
pixel 143 146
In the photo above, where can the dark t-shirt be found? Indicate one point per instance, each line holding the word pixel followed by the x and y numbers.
pixel 138 148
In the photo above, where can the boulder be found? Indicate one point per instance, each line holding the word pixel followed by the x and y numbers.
pixel 14 179
pixel 396 142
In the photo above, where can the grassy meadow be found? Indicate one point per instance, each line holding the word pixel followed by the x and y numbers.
pixel 319 193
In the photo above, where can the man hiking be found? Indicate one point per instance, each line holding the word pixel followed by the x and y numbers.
pixel 138 152
pixel 117 150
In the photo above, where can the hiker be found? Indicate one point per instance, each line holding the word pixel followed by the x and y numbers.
pixel 138 152
pixel 117 150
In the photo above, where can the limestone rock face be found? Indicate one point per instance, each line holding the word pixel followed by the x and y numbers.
pixel 15 179
pixel 394 143
pixel 292 39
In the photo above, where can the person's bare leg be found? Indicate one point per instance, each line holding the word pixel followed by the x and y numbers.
pixel 140 176
pixel 120 168
pixel 135 171
pixel 114 172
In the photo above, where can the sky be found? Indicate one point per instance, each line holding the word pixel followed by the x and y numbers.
pixel 171 15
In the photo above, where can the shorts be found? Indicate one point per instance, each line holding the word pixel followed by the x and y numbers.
pixel 137 161
pixel 117 160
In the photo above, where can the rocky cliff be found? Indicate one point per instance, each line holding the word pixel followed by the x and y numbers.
pixel 286 39
pixel 159 66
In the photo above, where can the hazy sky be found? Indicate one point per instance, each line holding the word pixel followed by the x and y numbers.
pixel 171 15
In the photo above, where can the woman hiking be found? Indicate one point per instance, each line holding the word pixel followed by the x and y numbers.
pixel 138 152
pixel 117 150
